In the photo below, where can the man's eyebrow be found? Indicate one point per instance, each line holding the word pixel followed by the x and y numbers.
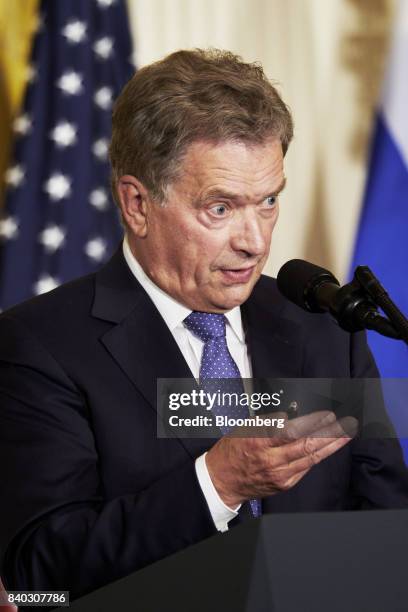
pixel 221 193
pixel 281 187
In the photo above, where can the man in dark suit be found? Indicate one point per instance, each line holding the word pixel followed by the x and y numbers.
pixel 90 493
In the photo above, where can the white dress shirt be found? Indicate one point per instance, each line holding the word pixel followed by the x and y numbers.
pixel 191 347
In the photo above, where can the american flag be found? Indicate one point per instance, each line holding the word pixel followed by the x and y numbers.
pixel 59 220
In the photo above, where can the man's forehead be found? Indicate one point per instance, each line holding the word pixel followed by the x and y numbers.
pixel 241 150
pixel 222 166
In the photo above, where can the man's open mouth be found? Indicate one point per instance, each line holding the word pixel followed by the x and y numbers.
pixel 238 275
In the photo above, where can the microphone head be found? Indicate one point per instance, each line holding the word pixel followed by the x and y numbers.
pixel 298 281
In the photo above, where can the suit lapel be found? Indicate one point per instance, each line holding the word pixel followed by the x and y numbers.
pixel 140 341
pixel 274 341
pixel 145 349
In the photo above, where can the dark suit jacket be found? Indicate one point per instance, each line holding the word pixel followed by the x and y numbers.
pixel 88 492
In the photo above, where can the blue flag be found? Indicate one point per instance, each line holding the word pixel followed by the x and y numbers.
pixel 59 220
pixel 382 240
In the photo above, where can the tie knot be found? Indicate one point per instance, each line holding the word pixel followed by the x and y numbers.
pixel 206 325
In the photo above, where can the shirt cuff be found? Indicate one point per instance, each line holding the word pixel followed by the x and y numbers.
pixel 221 514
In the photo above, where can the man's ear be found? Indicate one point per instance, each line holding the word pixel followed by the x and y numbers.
pixel 133 197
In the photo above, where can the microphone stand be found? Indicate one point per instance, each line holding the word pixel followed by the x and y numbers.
pixel 371 286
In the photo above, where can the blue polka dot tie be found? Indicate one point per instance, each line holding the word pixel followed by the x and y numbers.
pixel 217 362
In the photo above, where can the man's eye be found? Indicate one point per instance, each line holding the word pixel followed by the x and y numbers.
pixel 271 201
pixel 220 210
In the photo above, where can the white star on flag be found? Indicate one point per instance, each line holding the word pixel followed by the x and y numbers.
pixel 99 199
pixel 14 175
pixel 105 3
pixel 52 238
pixel 103 47
pixel 22 124
pixel 70 82
pixel 45 283
pixel 58 186
pixel 8 228
pixel 100 148
pixel 64 134
pixel 96 248
pixel 103 97
pixel 75 31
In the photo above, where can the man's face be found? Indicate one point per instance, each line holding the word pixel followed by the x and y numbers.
pixel 207 245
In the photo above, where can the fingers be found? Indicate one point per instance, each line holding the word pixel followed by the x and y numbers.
pixel 306 452
pixel 309 424
pixel 292 430
pixel 300 427
pixel 291 479
pixel 287 475
pixel 314 455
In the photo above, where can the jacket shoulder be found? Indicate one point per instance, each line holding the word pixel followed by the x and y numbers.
pixel 67 300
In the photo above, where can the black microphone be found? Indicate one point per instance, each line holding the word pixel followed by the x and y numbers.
pixel 316 289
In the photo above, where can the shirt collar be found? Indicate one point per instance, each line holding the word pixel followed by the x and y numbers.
pixel 234 319
pixel 172 311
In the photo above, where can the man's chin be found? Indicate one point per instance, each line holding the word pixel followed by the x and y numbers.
pixel 232 297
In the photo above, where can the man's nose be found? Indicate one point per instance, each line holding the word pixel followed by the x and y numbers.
pixel 249 236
